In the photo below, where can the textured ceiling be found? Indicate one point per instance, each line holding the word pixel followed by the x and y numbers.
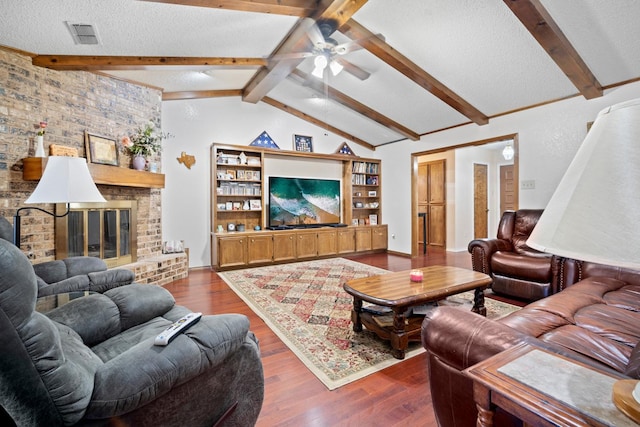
pixel 478 49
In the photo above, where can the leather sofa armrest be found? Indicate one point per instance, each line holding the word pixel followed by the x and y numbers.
pixel 481 251
pixel 460 338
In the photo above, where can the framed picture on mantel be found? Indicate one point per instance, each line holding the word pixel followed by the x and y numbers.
pixel 100 149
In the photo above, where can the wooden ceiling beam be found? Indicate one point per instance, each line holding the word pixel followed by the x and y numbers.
pixel 300 8
pixel 94 63
pixel 343 99
pixel 287 109
pixel 544 29
pixel 297 41
pixel 395 59
pixel 198 94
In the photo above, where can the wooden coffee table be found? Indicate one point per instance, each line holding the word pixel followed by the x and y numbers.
pixel 398 292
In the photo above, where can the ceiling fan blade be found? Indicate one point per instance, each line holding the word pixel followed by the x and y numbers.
pixel 292 55
pixel 350 46
pixel 353 69
pixel 316 37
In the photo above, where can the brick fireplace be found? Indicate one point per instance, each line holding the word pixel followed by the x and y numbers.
pixel 75 102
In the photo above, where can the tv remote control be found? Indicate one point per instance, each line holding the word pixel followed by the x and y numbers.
pixel 178 327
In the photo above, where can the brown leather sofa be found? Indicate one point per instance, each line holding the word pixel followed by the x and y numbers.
pixel 516 269
pixel 596 320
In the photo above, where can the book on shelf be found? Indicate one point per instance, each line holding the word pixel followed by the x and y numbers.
pixel 365 167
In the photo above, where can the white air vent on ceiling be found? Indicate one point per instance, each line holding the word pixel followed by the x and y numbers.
pixel 83 33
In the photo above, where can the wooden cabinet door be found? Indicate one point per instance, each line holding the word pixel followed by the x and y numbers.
pixel 327 242
pixel 480 201
pixel 436 232
pixel 259 249
pixel 437 179
pixel 346 240
pixel 307 244
pixel 232 251
pixel 284 246
pixel 363 239
pixel 423 170
pixel 379 237
pixel 435 208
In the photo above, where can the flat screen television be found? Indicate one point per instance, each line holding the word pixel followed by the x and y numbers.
pixel 303 202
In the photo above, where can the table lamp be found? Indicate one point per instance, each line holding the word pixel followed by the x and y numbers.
pixel 64 180
pixel 594 213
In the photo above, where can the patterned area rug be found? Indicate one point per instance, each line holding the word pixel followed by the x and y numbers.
pixel 305 306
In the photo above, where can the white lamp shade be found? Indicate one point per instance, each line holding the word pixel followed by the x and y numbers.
pixel 594 214
pixel 66 180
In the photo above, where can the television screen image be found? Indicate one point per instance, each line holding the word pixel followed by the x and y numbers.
pixel 303 202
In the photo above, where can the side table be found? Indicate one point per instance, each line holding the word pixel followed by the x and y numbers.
pixel 545 389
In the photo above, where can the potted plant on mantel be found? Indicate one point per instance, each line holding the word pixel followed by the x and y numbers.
pixel 144 142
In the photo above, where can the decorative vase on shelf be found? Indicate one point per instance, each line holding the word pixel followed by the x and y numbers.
pixel 39 146
pixel 139 162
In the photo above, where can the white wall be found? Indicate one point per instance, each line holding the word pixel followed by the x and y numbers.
pixel 548 139
pixel 196 124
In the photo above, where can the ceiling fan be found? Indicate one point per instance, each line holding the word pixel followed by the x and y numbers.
pixel 328 53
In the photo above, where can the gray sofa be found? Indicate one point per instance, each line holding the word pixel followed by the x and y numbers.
pixel 79 273
pixel 92 361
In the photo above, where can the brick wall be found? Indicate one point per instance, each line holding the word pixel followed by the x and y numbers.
pixel 71 102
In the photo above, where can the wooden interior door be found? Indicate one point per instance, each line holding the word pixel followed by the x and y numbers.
pixel 480 201
pixel 423 200
pixel 507 189
pixel 436 204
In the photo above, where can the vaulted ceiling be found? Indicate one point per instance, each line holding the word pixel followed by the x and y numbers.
pixel 416 66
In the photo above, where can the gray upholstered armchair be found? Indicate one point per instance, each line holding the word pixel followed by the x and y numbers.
pixel 80 273
pixel 92 361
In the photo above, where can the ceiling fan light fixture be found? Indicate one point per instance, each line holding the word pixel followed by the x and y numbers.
pixel 320 63
pixel 335 67
pixel 508 152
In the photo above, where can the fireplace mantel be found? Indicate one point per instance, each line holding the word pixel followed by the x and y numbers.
pixel 102 174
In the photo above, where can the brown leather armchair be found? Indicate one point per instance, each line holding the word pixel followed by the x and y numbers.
pixel 516 269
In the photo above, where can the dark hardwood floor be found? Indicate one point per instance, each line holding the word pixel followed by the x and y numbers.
pixel 396 396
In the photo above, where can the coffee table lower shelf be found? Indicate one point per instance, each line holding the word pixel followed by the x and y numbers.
pixel 399 338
